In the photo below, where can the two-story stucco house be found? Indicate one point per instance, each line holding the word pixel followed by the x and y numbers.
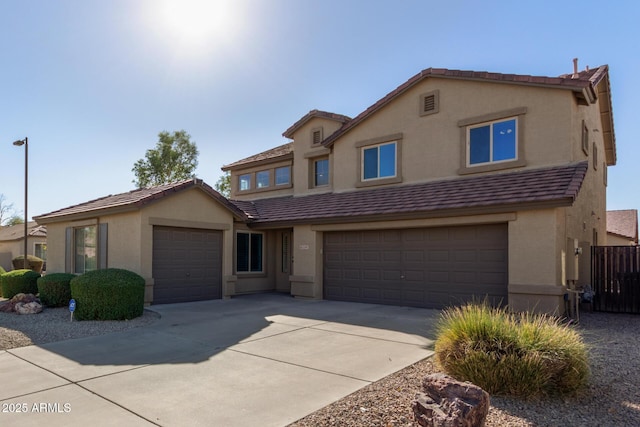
pixel 454 186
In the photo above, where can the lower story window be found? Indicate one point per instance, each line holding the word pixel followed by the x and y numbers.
pixel 85 249
pixel 249 247
pixel 40 251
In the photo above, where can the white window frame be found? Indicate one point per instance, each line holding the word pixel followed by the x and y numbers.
pixel 491 141
pixel 377 146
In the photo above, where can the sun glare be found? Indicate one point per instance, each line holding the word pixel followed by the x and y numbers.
pixel 199 24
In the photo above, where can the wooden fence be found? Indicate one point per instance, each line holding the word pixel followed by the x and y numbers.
pixel 615 278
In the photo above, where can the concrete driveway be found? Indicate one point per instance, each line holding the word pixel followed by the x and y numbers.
pixel 264 360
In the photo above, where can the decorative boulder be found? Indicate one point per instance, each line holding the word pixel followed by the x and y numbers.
pixel 447 402
pixel 22 304
pixel 28 308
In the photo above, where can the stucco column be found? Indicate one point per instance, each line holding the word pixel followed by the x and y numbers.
pixel 306 280
pixel 536 252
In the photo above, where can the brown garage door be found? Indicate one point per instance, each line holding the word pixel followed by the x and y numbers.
pixel 187 264
pixel 427 267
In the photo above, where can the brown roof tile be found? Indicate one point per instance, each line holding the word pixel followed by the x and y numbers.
pixel 136 199
pixel 282 151
pixel 16 232
pixel 623 223
pixel 311 114
pixel 557 186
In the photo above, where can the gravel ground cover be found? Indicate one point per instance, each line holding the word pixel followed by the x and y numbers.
pixel 612 398
pixel 54 324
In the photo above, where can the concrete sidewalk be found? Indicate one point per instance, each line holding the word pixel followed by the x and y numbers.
pixel 264 360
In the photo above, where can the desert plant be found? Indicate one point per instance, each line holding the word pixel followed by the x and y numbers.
pixel 19 281
pixel 524 355
pixel 55 289
pixel 33 263
pixel 108 294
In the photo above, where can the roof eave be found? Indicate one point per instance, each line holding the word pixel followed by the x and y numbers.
pixel 255 163
pixel 435 213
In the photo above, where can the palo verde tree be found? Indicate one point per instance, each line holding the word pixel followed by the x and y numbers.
pixel 175 158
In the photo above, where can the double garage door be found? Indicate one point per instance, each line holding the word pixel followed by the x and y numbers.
pixel 187 264
pixel 426 267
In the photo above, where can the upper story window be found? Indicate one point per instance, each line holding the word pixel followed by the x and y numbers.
pixel 244 182
pixel 321 172
pixel 492 142
pixel 262 179
pixel 379 161
pixel 283 175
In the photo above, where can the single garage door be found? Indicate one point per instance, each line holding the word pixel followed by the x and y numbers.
pixel 426 267
pixel 187 264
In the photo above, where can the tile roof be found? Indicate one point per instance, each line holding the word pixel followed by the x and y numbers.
pixel 16 232
pixel 623 223
pixel 311 114
pixel 135 200
pixel 283 151
pixel 557 186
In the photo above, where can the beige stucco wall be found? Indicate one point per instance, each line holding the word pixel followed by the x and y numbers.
pixel 615 240
pixel 130 234
pixel 14 248
pixel 432 144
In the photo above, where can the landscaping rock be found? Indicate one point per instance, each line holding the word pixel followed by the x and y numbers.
pixel 447 402
pixel 28 308
pixel 22 304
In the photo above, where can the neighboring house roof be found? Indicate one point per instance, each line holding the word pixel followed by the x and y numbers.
pixel 133 200
pixel 555 186
pixel 313 114
pixel 623 223
pixel 16 232
pixel 583 84
pixel 283 151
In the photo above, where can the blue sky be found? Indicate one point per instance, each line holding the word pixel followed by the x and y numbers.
pixel 92 83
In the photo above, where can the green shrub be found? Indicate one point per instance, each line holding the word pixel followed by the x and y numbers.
pixel 19 281
pixel 108 294
pixel 55 289
pixel 521 355
pixel 33 263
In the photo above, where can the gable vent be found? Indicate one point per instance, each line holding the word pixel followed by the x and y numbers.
pixel 429 103
pixel 317 136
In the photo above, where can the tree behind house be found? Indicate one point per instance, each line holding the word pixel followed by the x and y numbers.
pixel 175 158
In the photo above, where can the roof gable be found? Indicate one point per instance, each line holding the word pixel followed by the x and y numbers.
pixel 314 114
pixel 134 200
pixel 16 232
pixel 583 84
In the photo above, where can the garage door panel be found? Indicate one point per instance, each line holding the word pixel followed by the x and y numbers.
pixel 430 267
pixel 187 264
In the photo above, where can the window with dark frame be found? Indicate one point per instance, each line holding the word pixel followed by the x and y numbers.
pixel 249 247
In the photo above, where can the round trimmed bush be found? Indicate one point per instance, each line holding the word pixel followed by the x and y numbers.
pixel 522 355
pixel 108 294
pixel 19 282
pixel 33 263
pixel 55 289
